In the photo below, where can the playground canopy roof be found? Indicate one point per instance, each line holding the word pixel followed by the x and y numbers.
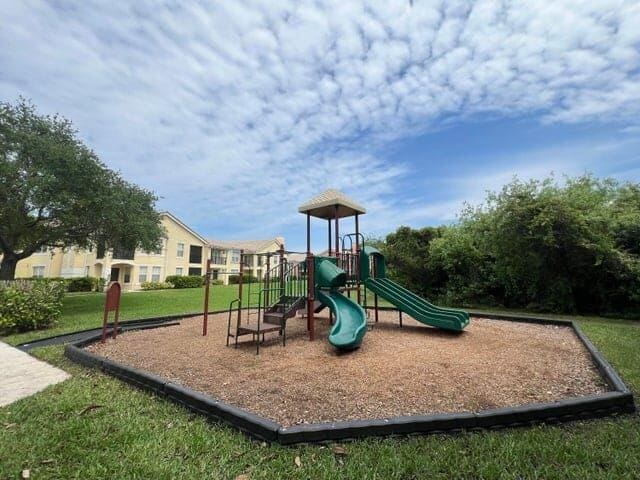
pixel 324 205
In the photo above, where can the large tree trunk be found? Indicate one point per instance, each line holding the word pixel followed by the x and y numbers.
pixel 8 266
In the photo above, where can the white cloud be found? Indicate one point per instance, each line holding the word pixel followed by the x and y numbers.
pixel 238 111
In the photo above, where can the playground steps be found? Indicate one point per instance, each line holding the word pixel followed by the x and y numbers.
pixel 285 307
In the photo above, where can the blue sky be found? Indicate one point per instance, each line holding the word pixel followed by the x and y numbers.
pixel 235 113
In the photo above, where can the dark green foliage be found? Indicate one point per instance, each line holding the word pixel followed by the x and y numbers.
pixel 185 281
pixel 85 284
pixel 54 191
pixel 539 245
pixel 235 279
pixel 28 306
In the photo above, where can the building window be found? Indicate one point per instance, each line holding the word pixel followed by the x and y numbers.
pixel 178 270
pixel 235 256
pixel 195 271
pixel 38 271
pixel 180 250
pixel 195 254
pixel 155 274
pixel 142 274
pixel 219 257
pixel 42 249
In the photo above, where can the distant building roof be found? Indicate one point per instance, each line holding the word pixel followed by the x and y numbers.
pixel 324 205
pixel 183 225
pixel 246 245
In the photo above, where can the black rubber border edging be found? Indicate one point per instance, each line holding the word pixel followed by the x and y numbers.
pixel 617 401
pixel 124 325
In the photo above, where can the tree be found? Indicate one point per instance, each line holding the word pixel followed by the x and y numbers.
pixel 541 245
pixel 55 192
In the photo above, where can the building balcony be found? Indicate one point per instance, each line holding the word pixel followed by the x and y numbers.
pixel 123 254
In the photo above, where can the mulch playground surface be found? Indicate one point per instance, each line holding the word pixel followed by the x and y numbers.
pixel 410 371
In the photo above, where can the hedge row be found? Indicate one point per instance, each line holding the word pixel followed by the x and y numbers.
pixel 76 284
pixel 185 281
pixel 235 279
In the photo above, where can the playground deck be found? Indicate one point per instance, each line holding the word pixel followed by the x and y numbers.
pixel 414 370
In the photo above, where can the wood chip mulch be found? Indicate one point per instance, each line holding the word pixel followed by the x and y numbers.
pixel 408 371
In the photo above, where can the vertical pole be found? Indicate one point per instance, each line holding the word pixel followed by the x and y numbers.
pixel 240 286
pixel 400 317
pixel 357 262
pixel 281 254
pixel 329 249
pixel 310 281
pixel 104 324
pixel 337 234
pixel 375 295
pixel 205 315
pixel 267 281
pixel 114 334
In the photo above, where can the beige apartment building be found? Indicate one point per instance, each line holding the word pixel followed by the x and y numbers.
pixel 183 252
pixel 225 256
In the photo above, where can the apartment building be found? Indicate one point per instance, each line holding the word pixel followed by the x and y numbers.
pixel 225 256
pixel 183 252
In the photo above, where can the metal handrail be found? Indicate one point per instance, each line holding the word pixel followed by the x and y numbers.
pixel 229 321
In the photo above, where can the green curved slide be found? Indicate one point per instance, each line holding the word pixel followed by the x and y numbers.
pixel 351 321
pixel 350 318
pixel 406 300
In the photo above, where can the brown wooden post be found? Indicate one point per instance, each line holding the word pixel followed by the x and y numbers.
pixel 357 262
pixel 111 303
pixel 207 284
pixel 240 287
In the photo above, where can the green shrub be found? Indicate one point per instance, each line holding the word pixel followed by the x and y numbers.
pixel 28 306
pixel 217 281
pixel 235 279
pixel 80 284
pixel 186 281
pixel 156 285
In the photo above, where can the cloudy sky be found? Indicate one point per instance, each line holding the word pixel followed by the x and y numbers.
pixel 234 113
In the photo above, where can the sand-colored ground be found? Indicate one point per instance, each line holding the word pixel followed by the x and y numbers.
pixel 408 371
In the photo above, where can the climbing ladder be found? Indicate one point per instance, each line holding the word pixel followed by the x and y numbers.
pixel 280 294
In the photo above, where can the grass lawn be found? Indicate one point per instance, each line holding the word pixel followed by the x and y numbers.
pixel 93 426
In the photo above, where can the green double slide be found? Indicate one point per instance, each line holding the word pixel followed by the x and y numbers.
pixel 350 318
pixel 406 300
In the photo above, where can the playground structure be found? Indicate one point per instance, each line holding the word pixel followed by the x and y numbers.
pixel 507 371
pixel 325 281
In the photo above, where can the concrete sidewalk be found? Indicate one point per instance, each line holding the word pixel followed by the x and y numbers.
pixel 22 375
